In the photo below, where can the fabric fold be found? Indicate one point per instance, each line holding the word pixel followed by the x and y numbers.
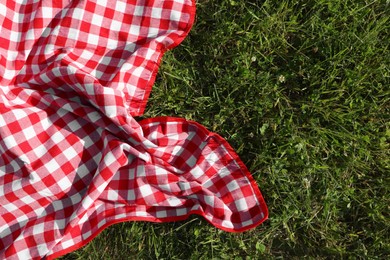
pixel 73 159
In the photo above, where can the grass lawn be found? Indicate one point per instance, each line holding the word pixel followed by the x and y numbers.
pixel 301 89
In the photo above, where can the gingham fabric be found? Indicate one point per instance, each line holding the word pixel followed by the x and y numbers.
pixel 73 159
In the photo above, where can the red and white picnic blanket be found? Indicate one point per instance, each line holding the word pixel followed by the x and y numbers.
pixel 73 159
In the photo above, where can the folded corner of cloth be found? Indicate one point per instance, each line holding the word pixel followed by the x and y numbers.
pixel 73 159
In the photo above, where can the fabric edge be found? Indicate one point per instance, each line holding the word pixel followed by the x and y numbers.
pixel 149 87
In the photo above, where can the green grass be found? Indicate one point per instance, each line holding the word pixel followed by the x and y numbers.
pixel 301 90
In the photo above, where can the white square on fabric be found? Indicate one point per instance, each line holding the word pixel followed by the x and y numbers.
pixel 212 158
pixel 101 223
pixel 90 88
pixel 112 44
pixel 29 132
pixel 24 254
pixel 112 195
pixel 10 142
pixel 9 74
pixel 141 214
pixel 74 125
pixel 131 89
pixel 47 12
pixel 47 193
pixel 23 219
pixel 52 166
pixel 233 185
pixel 2 172
pixel 181 211
pixel 15 36
pixel 174 202
pixel 11 55
pixel 48 48
pixel 86 234
pixel 30 35
pixel 241 204
pixel 130 195
pixel 161 214
pixel 18 17
pixel 177 150
pixel 67 243
pixel 2 121
pixel 115 25
pixel 120 6
pixel 42 249
pixel 145 190
pixel 76 198
pixel 175 15
pixel 44 78
pixel 166 187
pixel 35 70
pixel 227 224
pixel 191 161
pixel 153 32
pixel 64 183
pixel 46 123
pixel 209 183
pixel 93 39
pixel 135 29
pixel 184 186
pixel 101 188
pixel 87 202
pixel 70 153
pixel 19 114
pixel 149 54
pixel 156 13
pixel 10 206
pixel 141 171
pixel 105 60
pixel 97 73
pixel 57 137
pixel 78 13
pixel 247 223
pixel 209 201
pixel 109 159
pixel 97 20
pixel 73 34
pixel 138 10
pixel 27 199
pixel 3 9
pixel 87 55
pixel 197 171
pixel 57 205
pixel 38 228
pixel 5 231
pixel 40 150
pixel 137 72
pixel 130 46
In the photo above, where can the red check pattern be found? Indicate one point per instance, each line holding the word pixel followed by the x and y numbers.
pixel 73 160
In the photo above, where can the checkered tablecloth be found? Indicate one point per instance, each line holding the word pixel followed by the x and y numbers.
pixel 73 159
